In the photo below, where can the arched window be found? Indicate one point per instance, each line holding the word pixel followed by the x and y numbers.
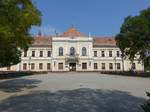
pixel 83 51
pixel 60 51
pixel 72 51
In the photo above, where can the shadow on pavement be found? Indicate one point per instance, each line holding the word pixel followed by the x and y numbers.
pixel 17 85
pixel 80 100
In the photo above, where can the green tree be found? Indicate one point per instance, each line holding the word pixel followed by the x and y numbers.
pixel 16 19
pixel 134 36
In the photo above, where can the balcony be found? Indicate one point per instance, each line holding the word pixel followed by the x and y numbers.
pixel 72 58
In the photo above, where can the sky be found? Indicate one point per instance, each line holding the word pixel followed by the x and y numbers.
pixel 97 17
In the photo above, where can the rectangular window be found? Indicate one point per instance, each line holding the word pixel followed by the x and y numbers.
pixel 95 66
pixel 118 54
pixel 61 51
pixel 118 66
pixel 41 53
pixel 32 66
pixel 95 53
pixel 60 66
pixel 48 66
pixel 40 66
pixel 110 53
pixel 110 66
pixel 24 66
pixel 48 53
pixel 103 53
pixel 84 65
pixel 25 53
pixel 103 66
pixel 33 53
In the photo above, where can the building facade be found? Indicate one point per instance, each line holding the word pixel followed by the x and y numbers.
pixel 73 51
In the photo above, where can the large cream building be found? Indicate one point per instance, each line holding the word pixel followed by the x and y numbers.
pixel 73 51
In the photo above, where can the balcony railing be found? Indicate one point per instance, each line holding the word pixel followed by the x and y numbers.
pixel 72 58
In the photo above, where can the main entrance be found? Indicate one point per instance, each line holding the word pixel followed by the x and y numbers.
pixel 72 66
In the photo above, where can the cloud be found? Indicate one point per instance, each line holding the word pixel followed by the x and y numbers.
pixel 46 30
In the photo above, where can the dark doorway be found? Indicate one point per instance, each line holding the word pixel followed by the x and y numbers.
pixel 72 66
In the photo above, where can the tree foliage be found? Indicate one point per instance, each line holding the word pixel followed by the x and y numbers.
pixel 134 36
pixel 16 19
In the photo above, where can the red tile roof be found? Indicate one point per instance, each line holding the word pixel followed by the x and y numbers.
pixel 72 32
pixel 42 40
pixel 104 41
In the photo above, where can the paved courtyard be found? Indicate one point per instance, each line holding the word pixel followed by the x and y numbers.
pixel 73 92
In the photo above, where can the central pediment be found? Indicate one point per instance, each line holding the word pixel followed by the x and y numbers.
pixel 72 32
